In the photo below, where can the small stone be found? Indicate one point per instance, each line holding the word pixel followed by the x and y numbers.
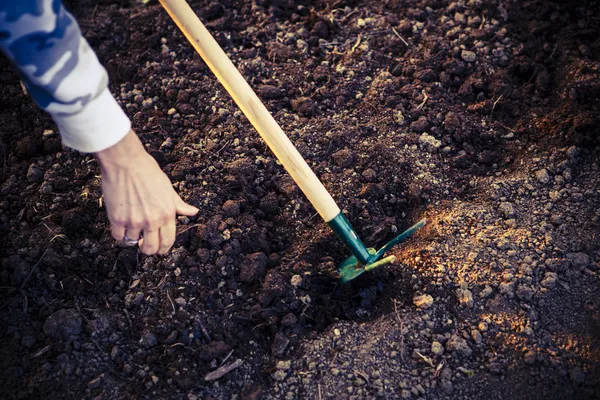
pixel 437 349
pixel 171 111
pixel 524 292
pixel 369 174
pixel 231 208
pixel 148 103
pixel 550 279
pixel 63 324
pixel 180 301
pixel 578 260
pixel 253 268
pixel 420 125
pixel 296 280
pixel 279 375
pixel 303 106
pixel 508 289
pixel 283 365
pixel 425 75
pixel 465 297
pixel 508 210
pixel 542 175
pixel 476 336
pixel 429 141
pixel 289 319
pixel 343 158
pixel 459 345
pixel 487 290
pixel 530 357
pixel 35 173
pixel 423 301
pixel 48 132
pixel 280 344
pixel 405 394
pixel 468 56
pixel 148 340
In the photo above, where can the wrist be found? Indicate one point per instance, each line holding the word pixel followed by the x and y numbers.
pixel 123 154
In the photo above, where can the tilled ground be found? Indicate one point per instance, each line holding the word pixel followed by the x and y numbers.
pixel 480 116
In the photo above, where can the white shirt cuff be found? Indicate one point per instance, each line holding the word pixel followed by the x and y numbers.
pixel 100 125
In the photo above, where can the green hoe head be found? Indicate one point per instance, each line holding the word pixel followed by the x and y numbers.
pixel 351 268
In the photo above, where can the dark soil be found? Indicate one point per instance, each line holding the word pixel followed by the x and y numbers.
pixel 480 116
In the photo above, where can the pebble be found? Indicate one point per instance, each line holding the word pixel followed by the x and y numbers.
pixel 550 279
pixel 63 324
pixel 465 297
pixel 423 301
pixel 420 125
pixel 296 280
pixel 542 175
pixel 429 141
pixel 253 268
pixel 35 173
pixel 468 56
pixel 437 349
pixel 578 260
pixel 148 340
pixel 343 158
pixel 280 344
pixel 458 345
pixel 530 357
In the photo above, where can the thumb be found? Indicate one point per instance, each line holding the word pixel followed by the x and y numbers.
pixel 182 208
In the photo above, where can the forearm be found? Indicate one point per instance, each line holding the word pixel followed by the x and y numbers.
pixel 62 73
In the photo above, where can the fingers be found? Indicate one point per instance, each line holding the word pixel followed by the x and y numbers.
pixel 167 237
pixel 117 230
pixel 133 233
pixel 150 243
pixel 183 208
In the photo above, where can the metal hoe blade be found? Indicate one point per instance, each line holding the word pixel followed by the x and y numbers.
pixel 350 268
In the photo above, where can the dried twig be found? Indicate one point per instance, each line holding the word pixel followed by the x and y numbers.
pixel 222 371
pixel 357 43
pixel 496 102
pixel 424 100
pixel 400 37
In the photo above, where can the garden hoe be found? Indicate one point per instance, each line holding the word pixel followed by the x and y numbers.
pixel 363 258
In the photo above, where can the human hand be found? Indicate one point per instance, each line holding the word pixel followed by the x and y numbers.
pixel 139 197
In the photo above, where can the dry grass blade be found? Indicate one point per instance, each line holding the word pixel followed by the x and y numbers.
pixel 222 371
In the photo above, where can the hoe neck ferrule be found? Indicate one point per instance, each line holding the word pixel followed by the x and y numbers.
pixel 347 234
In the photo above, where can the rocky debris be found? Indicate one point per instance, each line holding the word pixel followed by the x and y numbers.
pixel 343 158
pixel 458 345
pixel 231 208
pixel 423 301
pixel 468 56
pixel 542 176
pixel 429 141
pixel 253 268
pixel 465 297
pixel 63 324
pixel 304 106
pixel 578 260
pixel 148 340
pixel 550 279
pixel 35 173
pixel 420 125
pixel 280 344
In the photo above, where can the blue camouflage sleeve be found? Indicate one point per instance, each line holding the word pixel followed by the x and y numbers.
pixel 61 72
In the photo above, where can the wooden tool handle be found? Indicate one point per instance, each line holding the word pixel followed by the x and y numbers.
pixel 251 106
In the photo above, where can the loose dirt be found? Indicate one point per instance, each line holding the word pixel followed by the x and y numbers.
pixel 480 116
